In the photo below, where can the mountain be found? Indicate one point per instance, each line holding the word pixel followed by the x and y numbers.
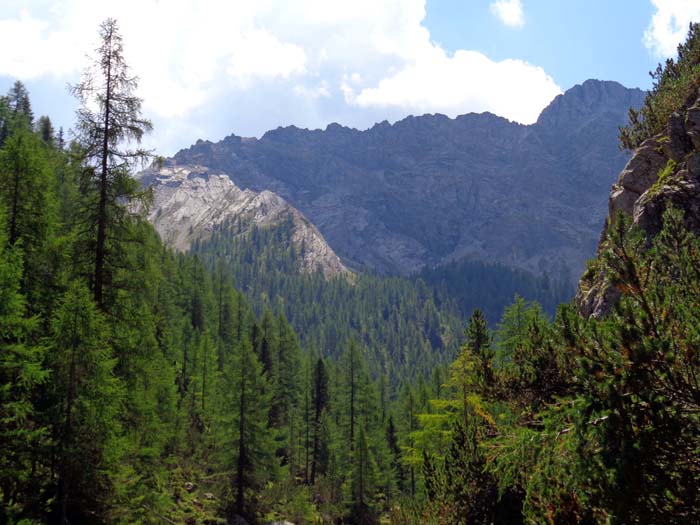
pixel 429 190
pixel 190 201
pixel 663 172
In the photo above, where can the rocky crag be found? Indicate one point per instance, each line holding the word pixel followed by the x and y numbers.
pixel 431 189
pixel 190 200
pixel 664 171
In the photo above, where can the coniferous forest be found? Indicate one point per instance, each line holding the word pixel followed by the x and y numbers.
pixel 143 385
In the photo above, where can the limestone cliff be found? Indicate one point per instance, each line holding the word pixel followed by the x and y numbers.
pixel 664 171
pixel 189 200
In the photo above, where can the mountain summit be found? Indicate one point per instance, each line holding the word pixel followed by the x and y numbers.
pixel 431 189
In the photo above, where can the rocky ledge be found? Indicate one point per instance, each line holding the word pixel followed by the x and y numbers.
pixel 664 171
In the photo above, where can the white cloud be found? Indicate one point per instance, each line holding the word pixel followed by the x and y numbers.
pixel 320 91
pixel 271 58
pixel 30 50
pixel 510 12
pixel 212 67
pixel 438 82
pixel 669 25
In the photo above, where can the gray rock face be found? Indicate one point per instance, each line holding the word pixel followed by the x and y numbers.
pixel 640 194
pixel 190 200
pixel 431 189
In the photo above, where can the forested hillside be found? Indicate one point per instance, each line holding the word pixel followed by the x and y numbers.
pixel 492 286
pixel 140 385
pixel 408 325
pixel 396 319
pixel 137 385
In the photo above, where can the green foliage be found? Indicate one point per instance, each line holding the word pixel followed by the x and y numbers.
pixel 396 319
pixel 26 193
pixel 22 372
pixel 674 83
pixel 490 287
pixel 87 400
pixel 109 116
pixel 242 431
pixel 173 399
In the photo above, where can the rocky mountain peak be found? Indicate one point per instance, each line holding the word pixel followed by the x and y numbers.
pixel 584 102
pixel 430 189
pixel 189 200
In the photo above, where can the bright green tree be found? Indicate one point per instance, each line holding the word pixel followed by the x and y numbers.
pixel 88 399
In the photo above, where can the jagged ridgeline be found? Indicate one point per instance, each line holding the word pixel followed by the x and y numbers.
pixel 430 189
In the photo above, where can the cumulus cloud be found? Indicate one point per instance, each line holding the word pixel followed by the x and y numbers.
pixel 209 68
pixel 669 25
pixel 510 12
pixel 438 82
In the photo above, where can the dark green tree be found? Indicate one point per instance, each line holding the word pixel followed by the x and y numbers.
pixel 88 399
pixel 320 403
pixel 45 130
pixel 22 372
pixel 20 106
pixel 245 441
pixel 109 117
pixel 479 342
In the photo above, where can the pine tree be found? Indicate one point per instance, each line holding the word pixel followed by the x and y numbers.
pixel 87 402
pixel 108 86
pixel 244 441
pixel 362 509
pixel 20 106
pixel 392 439
pixel 320 402
pixel 479 342
pixel 45 130
pixel 22 372
pixel 26 192
pixel 470 491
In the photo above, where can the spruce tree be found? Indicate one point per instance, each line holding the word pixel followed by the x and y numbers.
pixel 20 106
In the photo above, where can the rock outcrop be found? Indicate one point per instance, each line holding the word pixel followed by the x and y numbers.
pixel 431 189
pixel 190 200
pixel 664 171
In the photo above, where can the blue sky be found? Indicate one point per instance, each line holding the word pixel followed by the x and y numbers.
pixel 573 40
pixel 209 68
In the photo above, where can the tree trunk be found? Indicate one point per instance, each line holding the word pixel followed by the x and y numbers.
pixel 102 207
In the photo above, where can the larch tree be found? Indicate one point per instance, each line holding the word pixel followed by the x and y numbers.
pixel 108 122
